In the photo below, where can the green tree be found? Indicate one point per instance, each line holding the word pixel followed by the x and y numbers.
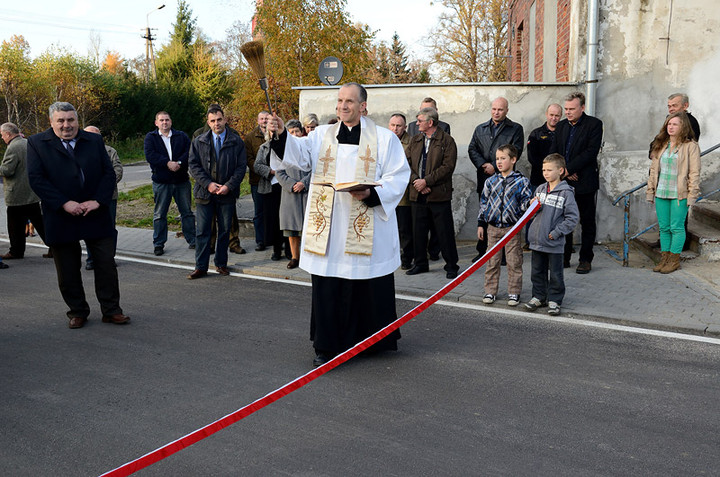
pixel 15 73
pixel 184 28
pixel 398 61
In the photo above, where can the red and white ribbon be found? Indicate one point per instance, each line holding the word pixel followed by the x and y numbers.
pixel 210 429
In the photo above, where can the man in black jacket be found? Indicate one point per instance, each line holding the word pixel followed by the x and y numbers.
pixel 69 169
pixel 166 149
pixel 539 142
pixel 217 162
pixel 488 136
pixel 681 102
pixel 578 138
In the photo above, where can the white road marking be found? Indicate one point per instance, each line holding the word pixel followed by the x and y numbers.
pixel 466 306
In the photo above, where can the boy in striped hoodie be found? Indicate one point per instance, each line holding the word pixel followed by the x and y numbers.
pixel 505 198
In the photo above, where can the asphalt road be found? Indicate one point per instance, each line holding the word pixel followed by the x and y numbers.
pixel 469 393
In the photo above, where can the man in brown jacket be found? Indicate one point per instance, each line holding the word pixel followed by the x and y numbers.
pixel 432 157
pixel 253 140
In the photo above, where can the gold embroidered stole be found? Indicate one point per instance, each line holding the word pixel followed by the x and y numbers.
pixel 361 221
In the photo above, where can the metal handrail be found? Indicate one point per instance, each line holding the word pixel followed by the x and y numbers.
pixel 626 225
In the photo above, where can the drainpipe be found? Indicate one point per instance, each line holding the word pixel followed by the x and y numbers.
pixel 592 50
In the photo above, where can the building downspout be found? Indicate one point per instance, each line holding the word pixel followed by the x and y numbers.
pixel 592 52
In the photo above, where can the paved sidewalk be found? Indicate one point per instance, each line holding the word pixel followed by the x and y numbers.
pixel 683 301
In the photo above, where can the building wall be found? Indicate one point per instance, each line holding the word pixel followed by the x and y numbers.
pixel 647 50
pixel 463 106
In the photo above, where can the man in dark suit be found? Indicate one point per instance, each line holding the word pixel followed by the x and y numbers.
pixel 217 162
pixel 578 139
pixel 70 171
pixel 166 150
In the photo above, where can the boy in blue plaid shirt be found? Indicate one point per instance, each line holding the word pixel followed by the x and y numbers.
pixel 505 197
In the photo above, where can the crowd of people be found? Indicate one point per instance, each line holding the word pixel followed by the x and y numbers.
pixel 348 201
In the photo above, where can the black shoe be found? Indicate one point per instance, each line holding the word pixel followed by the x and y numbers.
pixel 321 358
pixel 3 266
pixel 406 266
pixel 191 246
pixel 417 269
pixel 566 263
pixel 159 250
pixel 451 275
pixel 260 247
pixel 89 266
pixel 275 257
pixel 583 268
pixel 435 257
pixel 477 257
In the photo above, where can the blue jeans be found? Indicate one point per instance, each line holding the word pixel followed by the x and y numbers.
pixel 547 277
pixel 205 213
pixel 163 194
pixel 259 217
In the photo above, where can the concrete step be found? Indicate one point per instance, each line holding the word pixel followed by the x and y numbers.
pixel 704 240
pixel 706 212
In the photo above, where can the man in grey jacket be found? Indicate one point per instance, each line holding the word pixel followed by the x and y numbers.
pixel 217 162
pixel 488 136
pixel 22 203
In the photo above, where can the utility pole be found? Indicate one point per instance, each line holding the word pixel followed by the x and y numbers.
pixel 150 70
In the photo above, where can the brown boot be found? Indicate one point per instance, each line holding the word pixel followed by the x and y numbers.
pixel 662 262
pixel 673 263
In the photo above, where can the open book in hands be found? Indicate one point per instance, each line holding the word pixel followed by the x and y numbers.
pixel 349 186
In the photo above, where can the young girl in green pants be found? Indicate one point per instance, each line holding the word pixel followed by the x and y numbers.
pixel 674 185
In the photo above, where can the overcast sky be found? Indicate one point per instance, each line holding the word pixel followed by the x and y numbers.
pixel 119 24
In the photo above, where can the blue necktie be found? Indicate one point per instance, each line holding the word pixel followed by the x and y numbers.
pixel 218 144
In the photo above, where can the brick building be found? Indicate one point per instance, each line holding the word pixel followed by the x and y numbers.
pixel 539 40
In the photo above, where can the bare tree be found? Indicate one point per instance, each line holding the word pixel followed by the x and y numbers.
pixel 470 40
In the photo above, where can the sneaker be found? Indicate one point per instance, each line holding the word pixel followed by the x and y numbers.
pixel 533 304
pixel 513 300
pixel 553 308
pixel 489 299
pixel 159 250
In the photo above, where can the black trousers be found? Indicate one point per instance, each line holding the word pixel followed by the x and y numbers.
pixel 68 258
pixel 405 230
pixel 440 214
pixel 271 209
pixel 482 245
pixel 587 204
pixel 17 218
pixel 345 312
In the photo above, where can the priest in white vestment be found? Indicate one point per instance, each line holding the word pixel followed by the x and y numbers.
pixel 350 242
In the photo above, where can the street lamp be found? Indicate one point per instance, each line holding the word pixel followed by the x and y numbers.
pixel 149 53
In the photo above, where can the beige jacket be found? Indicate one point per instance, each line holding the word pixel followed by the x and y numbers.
pixel 688 173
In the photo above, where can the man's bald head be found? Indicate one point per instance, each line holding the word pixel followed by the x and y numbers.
pixel 499 110
pixel 92 129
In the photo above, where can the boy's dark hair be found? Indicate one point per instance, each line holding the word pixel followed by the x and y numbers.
pixel 510 150
pixel 556 159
